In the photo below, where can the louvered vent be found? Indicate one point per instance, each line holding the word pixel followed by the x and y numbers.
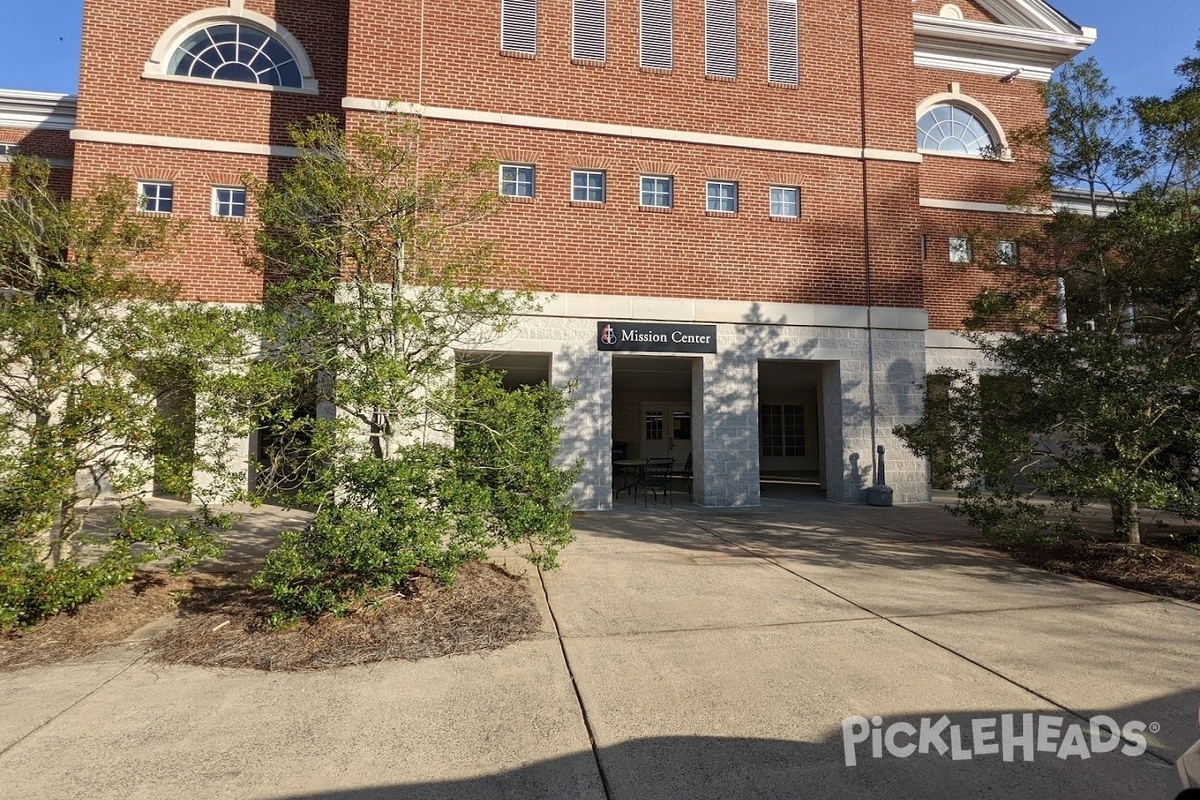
pixel 783 45
pixel 518 26
pixel 658 34
pixel 588 29
pixel 720 38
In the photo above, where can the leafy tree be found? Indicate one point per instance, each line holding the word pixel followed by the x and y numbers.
pixel 1102 405
pixel 373 282
pixel 100 371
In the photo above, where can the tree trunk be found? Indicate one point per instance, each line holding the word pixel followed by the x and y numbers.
pixel 1126 523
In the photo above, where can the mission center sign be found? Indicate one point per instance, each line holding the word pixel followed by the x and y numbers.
pixel 655 337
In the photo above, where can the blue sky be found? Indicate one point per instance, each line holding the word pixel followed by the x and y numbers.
pixel 1141 41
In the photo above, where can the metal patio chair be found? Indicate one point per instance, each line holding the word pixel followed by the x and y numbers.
pixel 656 477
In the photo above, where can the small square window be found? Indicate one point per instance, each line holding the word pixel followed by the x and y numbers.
pixel 785 202
pixel 960 250
pixel 658 191
pixel 229 202
pixel 1006 253
pixel 721 196
pixel 587 186
pixel 516 180
pixel 155 197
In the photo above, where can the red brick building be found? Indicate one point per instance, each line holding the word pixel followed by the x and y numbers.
pixel 750 217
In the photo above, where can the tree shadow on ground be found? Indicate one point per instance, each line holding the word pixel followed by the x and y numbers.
pixel 737 768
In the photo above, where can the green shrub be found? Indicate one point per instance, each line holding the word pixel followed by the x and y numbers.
pixel 433 506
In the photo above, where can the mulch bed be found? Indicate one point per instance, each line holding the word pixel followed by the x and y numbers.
pixel 1145 568
pixel 94 626
pixel 223 624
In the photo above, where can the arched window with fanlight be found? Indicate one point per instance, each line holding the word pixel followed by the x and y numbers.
pixel 233 47
pixel 231 51
pixel 954 128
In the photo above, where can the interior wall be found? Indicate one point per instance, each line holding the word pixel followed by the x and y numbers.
pixel 645 379
pixel 793 383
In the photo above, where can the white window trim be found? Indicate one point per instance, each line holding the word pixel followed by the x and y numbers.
pixel 966 247
pixel 771 204
pixel 156 67
pixel 532 180
pixel 999 140
pixel 603 185
pixel 141 184
pixel 708 186
pixel 656 176
pixel 213 198
pixel 1008 252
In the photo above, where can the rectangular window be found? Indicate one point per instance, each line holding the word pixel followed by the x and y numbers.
pixel 785 202
pixel 156 197
pixel 8 150
pixel 781 431
pixel 960 250
pixel 1006 253
pixel 229 201
pixel 658 34
pixel 720 38
pixel 783 42
pixel 657 191
pixel 516 180
pixel 721 196
pixel 589 29
pixel 587 186
pixel 654 426
pixel 518 26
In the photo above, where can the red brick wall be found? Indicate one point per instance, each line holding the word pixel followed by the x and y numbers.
pixel 950 288
pixel 49 144
pixel 463 68
pixel 207 265
pixel 119 37
pixel 450 57
pixel 970 11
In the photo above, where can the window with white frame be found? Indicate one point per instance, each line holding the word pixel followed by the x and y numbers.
pixel 587 186
pixel 229 202
pixel 518 26
pixel 589 24
pixel 960 250
pixel 785 202
pixel 1006 253
pixel 721 196
pixel 657 191
pixel 232 51
pixel 657 34
pixel 156 197
pixel 783 42
pixel 949 128
pixel 8 150
pixel 720 38
pixel 516 180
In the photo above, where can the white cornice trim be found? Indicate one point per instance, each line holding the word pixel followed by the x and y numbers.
pixel 732 312
pixel 968 205
pixel 987 48
pixel 625 131
pixel 37 110
pixel 178 143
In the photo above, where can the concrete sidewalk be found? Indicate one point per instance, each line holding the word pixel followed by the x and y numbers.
pixel 685 654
